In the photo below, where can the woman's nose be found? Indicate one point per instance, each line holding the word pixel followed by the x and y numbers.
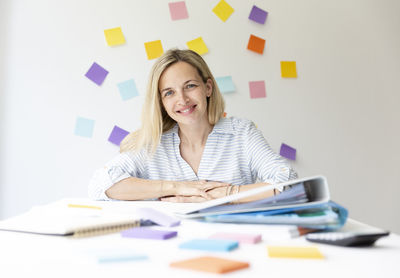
pixel 182 97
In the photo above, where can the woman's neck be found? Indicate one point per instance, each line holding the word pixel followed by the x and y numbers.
pixel 195 136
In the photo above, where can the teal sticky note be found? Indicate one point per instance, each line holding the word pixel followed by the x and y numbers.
pixel 84 127
pixel 127 89
pixel 113 258
pixel 225 84
pixel 210 245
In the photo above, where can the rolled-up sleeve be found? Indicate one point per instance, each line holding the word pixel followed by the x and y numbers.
pixel 267 165
pixel 123 166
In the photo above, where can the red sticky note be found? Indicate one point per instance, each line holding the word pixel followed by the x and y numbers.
pixel 257 89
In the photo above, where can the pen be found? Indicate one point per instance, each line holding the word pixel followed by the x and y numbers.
pixel 83 206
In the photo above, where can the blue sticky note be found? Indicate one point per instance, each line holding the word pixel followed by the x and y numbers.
pixel 113 258
pixel 210 245
pixel 84 127
pixel 127 89
pixel 225 84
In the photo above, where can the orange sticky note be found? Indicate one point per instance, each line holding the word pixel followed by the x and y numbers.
pixel 211 264
pixel 154 49
pixel 297 252
pixel 114 36
pixel 256 44
pixel 288 69
pixel 198 46
pixel 223 10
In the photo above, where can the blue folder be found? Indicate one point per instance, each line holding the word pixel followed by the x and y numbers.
pixel 326 216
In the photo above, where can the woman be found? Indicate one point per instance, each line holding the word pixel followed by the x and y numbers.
pixel 185 151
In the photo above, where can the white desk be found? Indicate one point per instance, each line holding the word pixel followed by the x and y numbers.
pixel 28 255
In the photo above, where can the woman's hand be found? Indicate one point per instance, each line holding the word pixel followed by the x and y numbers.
pixel 196 191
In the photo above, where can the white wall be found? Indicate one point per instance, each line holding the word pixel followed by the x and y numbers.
pixel 341 113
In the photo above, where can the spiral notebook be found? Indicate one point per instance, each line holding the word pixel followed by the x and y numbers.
pixel 62 220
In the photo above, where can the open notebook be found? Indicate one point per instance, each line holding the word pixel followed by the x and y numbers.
pixel 300 192
pixel 62 220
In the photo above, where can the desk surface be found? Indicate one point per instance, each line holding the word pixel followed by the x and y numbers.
pixel 28 255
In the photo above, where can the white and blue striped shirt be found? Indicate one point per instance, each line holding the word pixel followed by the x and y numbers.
pixel 235 152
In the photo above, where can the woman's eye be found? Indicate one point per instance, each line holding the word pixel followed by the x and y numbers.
pixel 167 93
pixel 189 86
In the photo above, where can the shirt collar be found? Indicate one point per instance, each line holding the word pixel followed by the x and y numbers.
pixel 224 125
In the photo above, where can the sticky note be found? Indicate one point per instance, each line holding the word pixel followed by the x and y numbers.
pixel 114 36
pixel 117 135
pixel 210 245
pixel 178 10
pixel 225 84
pixel 288 69
pixel 96 73
pixel 157 217
pixel 84 127
pixel 127 89
pixel 154 49
pixel 256 44
pixel 198 46
pixel 257 89
pixel 258 15
pixel 241 238
pixel 147 233
pixel 223 10
pixel 288 152
pixel 297 252
pixel 211 264
pixel 113 258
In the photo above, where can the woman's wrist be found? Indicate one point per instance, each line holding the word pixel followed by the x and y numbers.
pixel 167 188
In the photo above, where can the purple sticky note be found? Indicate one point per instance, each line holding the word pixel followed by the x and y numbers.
pixel 96 73
pixel 157 217
pixel 117 135
pixel 258 15
pixel 148 233
pixel 257 89
pixel 178 10
pixel 288 152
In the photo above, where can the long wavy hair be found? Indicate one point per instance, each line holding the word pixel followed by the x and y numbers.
pixel 155 120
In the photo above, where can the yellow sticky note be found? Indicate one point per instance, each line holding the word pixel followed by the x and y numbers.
pixel 114 36
pixel 83 206
pixel 223 10
pixel 297 252
pixel 288 69
pixel 197 45
pixel 154 49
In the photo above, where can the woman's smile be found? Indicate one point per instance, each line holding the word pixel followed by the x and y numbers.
pixel 187 110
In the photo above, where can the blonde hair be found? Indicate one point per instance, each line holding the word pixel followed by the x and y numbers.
pixel 155 120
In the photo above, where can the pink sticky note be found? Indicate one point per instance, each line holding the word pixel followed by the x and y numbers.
pixel 178 10
pixel 242 238
pixel 257 89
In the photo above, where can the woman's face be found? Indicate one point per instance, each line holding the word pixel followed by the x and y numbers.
pixel 184 94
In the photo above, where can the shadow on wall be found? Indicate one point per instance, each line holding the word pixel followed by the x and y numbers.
pixel 4 30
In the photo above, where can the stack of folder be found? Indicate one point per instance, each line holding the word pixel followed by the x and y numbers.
pixel 303 202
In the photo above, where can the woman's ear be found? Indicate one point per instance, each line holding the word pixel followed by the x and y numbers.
pixel 209 87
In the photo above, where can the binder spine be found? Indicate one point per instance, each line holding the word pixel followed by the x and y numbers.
pixel 103 230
